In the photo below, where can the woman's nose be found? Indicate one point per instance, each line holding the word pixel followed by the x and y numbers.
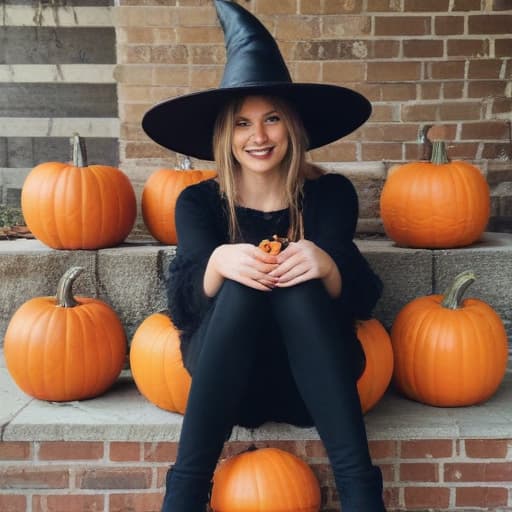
pixel 260 133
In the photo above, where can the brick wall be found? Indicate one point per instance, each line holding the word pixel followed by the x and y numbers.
pixel 419 62
pixel 438 474
pixel 97 65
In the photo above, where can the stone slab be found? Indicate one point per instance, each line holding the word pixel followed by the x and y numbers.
pixel 123 414
pixel 30 269
pixel 405 273
pixel 491 260
pixel 131 280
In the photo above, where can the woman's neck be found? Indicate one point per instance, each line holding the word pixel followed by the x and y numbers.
pixel 261 192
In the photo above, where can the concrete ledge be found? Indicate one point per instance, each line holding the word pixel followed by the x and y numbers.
pixel 123 414
pixel 131 277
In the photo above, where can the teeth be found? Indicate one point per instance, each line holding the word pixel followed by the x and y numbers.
pixel 260 152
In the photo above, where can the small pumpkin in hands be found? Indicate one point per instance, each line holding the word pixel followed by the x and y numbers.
pixel 65 348
pixel 274 245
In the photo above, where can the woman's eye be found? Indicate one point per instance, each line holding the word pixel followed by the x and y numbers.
pixel 273 119
pixel 241 123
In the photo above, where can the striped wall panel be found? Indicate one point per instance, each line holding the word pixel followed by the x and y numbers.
pixel 56 77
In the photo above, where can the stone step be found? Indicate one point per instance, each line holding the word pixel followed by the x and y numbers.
pixel 131 277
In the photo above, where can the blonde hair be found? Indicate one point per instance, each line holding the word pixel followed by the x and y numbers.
pixel 294 162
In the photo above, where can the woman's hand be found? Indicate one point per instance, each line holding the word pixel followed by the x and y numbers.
pixel 304 260
pixel 244 263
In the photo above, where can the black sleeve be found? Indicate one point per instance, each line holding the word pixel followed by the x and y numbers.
pixel 199 233
pixel 337 209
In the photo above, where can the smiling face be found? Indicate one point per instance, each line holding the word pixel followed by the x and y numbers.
pixel 260 136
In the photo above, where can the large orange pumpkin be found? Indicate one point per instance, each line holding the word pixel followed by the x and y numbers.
pixel 379 362
pixel 449 352
pixel 437 204
pixel 65 348
pixel 159 196
pixel 265 480
pixel 157 366
pixel 76 206
pixel 159 374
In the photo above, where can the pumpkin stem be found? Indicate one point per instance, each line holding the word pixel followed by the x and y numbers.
pixel 453 296
pixel 439 155
pixel 185 163
pixel 65 297
pixel 79 151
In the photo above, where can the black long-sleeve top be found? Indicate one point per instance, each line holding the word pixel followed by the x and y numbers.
pixel 330 211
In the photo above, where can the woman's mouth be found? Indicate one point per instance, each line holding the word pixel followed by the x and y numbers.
pixel 260 152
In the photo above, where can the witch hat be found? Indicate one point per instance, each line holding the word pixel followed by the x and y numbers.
pixel 254 66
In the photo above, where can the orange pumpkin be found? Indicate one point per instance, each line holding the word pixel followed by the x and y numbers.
pixel 437 204
pixel 76 206
pixel 265 480
pixel 65 348
pixel 449 352
pixel 159 196
pixel 379 362
pixel 157 366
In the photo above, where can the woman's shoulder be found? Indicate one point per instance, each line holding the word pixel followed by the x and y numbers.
pixel 329 185
pixel 203 192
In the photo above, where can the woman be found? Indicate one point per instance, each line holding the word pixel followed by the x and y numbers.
pixel 267 337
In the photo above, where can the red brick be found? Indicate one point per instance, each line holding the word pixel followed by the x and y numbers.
pixel 448 25
pixel 478 472
pixel 466 5
pixel 420 48
pixel 392 132
pixel 123 452
pixel 453 90
pixel 481 496
pixel 497 151
pixel 502 105
pixel 383 6
pixel 160 452
pixel 375 151
pixel 430 6
pixel 315 449
pixel 489 68
pixel 425 497
pixel 426 449
pixel 383 449
pixel 340 151
pixel 68 503
pixel 421 112
pixel 430 90
pixel 33 478
pixel 388 472
pixel 503 47
pixel 402 25
pixel 147 502
pixel 337 7
pixel 463 150
pixel 118 478
pixel 489 24
pixel 502 5
pixel 468 47
pixel 341 72
pixel 489 130
pixel 384 113
pixel 12 503
pixel 487 88
pixel 419 472
pixel 64 450
pixel 459 111
pixel 450 69
pixel 12 450
pixel 393 71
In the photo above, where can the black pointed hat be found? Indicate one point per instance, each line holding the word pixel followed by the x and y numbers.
pixel 254 66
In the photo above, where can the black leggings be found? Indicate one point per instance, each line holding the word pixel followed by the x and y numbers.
pixel 323 372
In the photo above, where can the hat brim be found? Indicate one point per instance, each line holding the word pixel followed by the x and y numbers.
pixel 185 124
